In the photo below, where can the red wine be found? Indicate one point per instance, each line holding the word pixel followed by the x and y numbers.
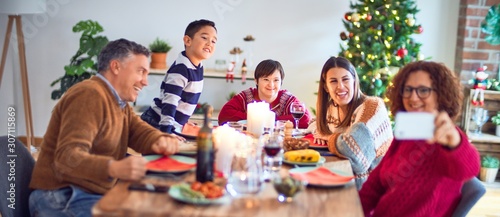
pixel 272 150
pixel 297 115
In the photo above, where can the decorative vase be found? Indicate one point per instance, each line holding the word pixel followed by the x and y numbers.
pixel 488 175
pixel 158 61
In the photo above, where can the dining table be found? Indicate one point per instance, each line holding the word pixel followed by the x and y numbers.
pixel 312 201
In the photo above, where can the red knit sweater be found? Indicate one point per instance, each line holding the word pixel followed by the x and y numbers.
pixel 419 179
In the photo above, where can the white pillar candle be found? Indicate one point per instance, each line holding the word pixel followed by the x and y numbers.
pixel 269 122
pixel 257 114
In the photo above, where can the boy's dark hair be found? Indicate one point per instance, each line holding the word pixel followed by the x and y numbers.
pixel 118 49
pixel 196 25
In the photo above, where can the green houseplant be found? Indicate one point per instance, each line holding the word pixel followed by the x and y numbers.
pixel 84 63
pixel 496 120
pixel 489 168
pixel 159 49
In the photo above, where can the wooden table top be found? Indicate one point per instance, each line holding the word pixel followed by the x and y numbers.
pixel 313 201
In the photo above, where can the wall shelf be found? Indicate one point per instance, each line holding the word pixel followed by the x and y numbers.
pixel 208 73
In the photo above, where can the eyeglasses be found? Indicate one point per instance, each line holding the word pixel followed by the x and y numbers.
pixel 422 92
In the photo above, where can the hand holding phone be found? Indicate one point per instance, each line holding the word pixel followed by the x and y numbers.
pixel 414 126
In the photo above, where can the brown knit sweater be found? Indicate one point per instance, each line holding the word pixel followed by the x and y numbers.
pixel 88 129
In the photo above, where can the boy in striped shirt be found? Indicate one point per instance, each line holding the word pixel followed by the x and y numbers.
pixel 181 88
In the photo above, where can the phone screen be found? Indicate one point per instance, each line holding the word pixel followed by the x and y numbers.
pixel 414 126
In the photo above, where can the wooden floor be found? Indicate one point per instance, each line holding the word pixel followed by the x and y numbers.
pixel 489 204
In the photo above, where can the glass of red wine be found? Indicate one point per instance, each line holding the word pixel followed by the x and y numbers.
pixel 297 109
pixel 273 148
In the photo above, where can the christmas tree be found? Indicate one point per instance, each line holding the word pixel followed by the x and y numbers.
pixel 378 39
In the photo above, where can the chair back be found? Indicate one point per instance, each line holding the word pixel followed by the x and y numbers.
pixel 472 191
pixel 16 177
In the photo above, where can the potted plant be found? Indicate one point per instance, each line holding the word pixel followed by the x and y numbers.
pixel 159 49
pixel 84 63
pixel 489 168
pixel 496 120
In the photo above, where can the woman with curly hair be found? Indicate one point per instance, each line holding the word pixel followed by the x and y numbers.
pixel 423 177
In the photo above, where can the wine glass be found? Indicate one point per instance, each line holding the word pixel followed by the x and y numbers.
pixel 479 117
pixel 297 109
pixel 273 148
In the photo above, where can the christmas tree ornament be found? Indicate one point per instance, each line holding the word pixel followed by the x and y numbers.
pixel 343 36
pixel 369 17
pixel 410 21
pixel 402 52
pixel 351 34
pixel 420 56
pixel 355 17
pixel 419 29
pixel 347 16
pixel 397 27
pixel 378 83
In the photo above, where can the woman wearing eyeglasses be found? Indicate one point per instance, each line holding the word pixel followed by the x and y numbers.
pixel 353 125
pixel 418 177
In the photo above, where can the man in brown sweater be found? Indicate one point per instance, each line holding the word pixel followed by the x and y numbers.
pixel 84 147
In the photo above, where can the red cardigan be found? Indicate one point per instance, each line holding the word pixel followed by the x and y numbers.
pixel 236 108
pixel 419 179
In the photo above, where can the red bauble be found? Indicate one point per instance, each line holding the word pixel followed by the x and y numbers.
pixel 343 36
pixel 347 16
pixel 419 29
pixel 351 34
pixel 368 17
pixel 402 52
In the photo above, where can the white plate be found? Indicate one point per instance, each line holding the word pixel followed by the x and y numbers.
pixel 307 169
pixel 182 159
pixel 175 193
pixel 320 161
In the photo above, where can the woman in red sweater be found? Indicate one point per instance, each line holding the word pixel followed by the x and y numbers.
pixel 418 177
pixel 269 77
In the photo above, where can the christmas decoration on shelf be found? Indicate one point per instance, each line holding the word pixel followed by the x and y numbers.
pixel 244 71
pixel 480 83
pixel 230 71
pixel 378 38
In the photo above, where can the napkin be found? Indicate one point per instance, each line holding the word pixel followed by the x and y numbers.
pixel 310 137
pixel 322 176
pixel 166 163
pixel 190 130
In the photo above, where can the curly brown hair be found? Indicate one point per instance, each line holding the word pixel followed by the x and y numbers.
pixel 445 83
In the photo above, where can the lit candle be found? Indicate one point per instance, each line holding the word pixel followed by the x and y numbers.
pixel 257 114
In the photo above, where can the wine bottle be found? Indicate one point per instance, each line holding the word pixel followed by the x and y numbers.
pixel 205 155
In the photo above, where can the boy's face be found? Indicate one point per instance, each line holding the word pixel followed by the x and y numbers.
pixel 202 45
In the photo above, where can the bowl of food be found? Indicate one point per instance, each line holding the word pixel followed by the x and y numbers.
pixel 287 187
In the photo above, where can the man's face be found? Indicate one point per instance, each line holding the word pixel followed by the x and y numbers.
pixel 131 75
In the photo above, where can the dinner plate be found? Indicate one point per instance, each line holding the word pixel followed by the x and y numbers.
pixel 176 193
pixel 321 161
pixel 179 158
pixel 300 170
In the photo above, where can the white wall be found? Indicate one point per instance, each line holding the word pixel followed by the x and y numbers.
pixel 299 34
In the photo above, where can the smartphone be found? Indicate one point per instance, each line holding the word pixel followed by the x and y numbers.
pixel 414 126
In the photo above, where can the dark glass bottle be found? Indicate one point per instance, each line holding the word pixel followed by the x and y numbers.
pixel 205 155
